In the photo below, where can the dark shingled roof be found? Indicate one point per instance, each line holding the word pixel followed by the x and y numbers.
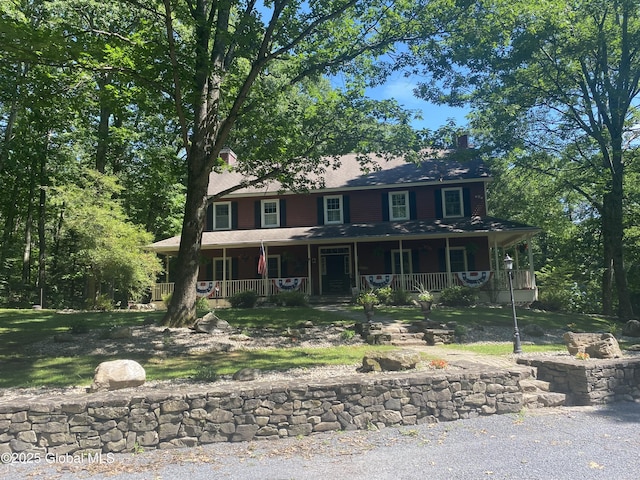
pixel 504 231
pixel 391 172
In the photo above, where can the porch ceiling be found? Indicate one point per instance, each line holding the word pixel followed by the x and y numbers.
pixel 503 232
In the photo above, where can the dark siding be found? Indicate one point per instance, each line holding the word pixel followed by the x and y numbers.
pixel 387 262
pixel 415 260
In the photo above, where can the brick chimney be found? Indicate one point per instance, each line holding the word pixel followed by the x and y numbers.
pixel 228 156
pixel 463 142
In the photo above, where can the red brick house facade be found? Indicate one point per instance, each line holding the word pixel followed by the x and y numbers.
pixel 403 224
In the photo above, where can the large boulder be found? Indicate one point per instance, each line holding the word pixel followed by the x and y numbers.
pixel 597 345
pixel 389 361
pixel 210 323
pixel 631 329
pixel 117 374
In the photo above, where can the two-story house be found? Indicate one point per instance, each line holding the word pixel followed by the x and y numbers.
pixel 405 225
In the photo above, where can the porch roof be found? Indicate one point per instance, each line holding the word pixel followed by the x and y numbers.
pixel 503 232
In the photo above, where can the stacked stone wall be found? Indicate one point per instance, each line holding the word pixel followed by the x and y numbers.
pixel 135 419
pixel 591 382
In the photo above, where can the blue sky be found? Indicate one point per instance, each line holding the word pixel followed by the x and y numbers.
pixel 433 116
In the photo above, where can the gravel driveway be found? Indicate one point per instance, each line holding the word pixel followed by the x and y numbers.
pixel 546 444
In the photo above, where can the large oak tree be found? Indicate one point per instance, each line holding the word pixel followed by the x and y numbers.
pixel 550 79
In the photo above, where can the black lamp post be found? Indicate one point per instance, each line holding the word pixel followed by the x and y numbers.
pixel 508 265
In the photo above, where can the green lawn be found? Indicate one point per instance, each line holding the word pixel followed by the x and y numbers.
pixel 20 328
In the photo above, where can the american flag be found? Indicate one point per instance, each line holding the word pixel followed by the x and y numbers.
pixel 262 262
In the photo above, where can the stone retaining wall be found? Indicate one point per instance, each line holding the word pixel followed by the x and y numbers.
pixel 130 420
pixel 590 382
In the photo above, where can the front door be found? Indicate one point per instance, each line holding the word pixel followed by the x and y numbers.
pixel 336 269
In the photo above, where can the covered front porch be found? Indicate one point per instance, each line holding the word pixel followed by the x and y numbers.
pixel 495 289
pixel 342 260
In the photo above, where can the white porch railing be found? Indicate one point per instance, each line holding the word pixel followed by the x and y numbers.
pixel 229 288
pixel 434 282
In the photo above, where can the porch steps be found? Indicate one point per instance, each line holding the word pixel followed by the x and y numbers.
pixel 537 394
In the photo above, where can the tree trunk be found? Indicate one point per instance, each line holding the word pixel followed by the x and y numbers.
pixel 42 239
pixel 182 309
pixel 103 127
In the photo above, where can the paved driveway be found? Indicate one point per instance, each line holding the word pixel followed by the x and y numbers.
pixel 547 444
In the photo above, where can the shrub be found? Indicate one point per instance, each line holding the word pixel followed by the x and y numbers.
pixel 246 299
pixel 289 299
pixel 202 304
pixel 401 297
pixel 103 303
pixel 205 373
pixel 347 335
pixel 367 298
pixel 458 296
pixel 79 326
pixel 385 295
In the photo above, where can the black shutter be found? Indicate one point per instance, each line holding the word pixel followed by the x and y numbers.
pixel 283 212
pixel 466 202
pixel 415 261
pixel 471 261
pixel 412 206
pixel 258 214
pixel 442 259
pixel 209 222
pixel 387 262
pixel 209 269
pixel 320 211
pixel 234 268
pixel 438 202
pixel 385 207
pixel 234 215
pixel 284 270
pixel 346 209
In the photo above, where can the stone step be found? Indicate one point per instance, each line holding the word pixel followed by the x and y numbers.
pixel 530 385
pixel 544 399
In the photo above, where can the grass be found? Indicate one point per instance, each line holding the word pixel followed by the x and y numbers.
pixel 21 367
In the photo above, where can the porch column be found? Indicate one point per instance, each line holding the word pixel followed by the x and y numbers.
pixel 448 262
pixel 532 272
pixel 355 268
pixel 224 272
pixel 166 277
pixel 402 283
pixel 309 289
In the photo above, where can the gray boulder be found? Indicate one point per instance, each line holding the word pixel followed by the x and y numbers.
pixel 117 374
pixel 210 323
pixel 597 345
pixel 390 361
pixel 631 329
pixel 246 374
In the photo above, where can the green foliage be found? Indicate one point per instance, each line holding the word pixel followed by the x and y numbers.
pixel 102 303
pixel 205 373
pixel 246 299
pixel 558 290
pixel 289 299
pixel 401 297
pixel 458 296
pixel 367 297
pixel 348 334
pixel 385 295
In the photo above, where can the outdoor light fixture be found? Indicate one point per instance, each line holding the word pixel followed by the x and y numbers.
pixel 508 265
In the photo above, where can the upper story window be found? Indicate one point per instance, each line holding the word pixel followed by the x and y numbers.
pixel 333 209
pixel 452 202
pixel 399 206
pixel 270 213
pixel 222 216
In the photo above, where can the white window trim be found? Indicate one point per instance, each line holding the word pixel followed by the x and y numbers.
pixel 406 203
pixel 262 214
pixel 464 256
pixel 408 266
pixel 215 227
pixel 326 211
pixel 444 203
